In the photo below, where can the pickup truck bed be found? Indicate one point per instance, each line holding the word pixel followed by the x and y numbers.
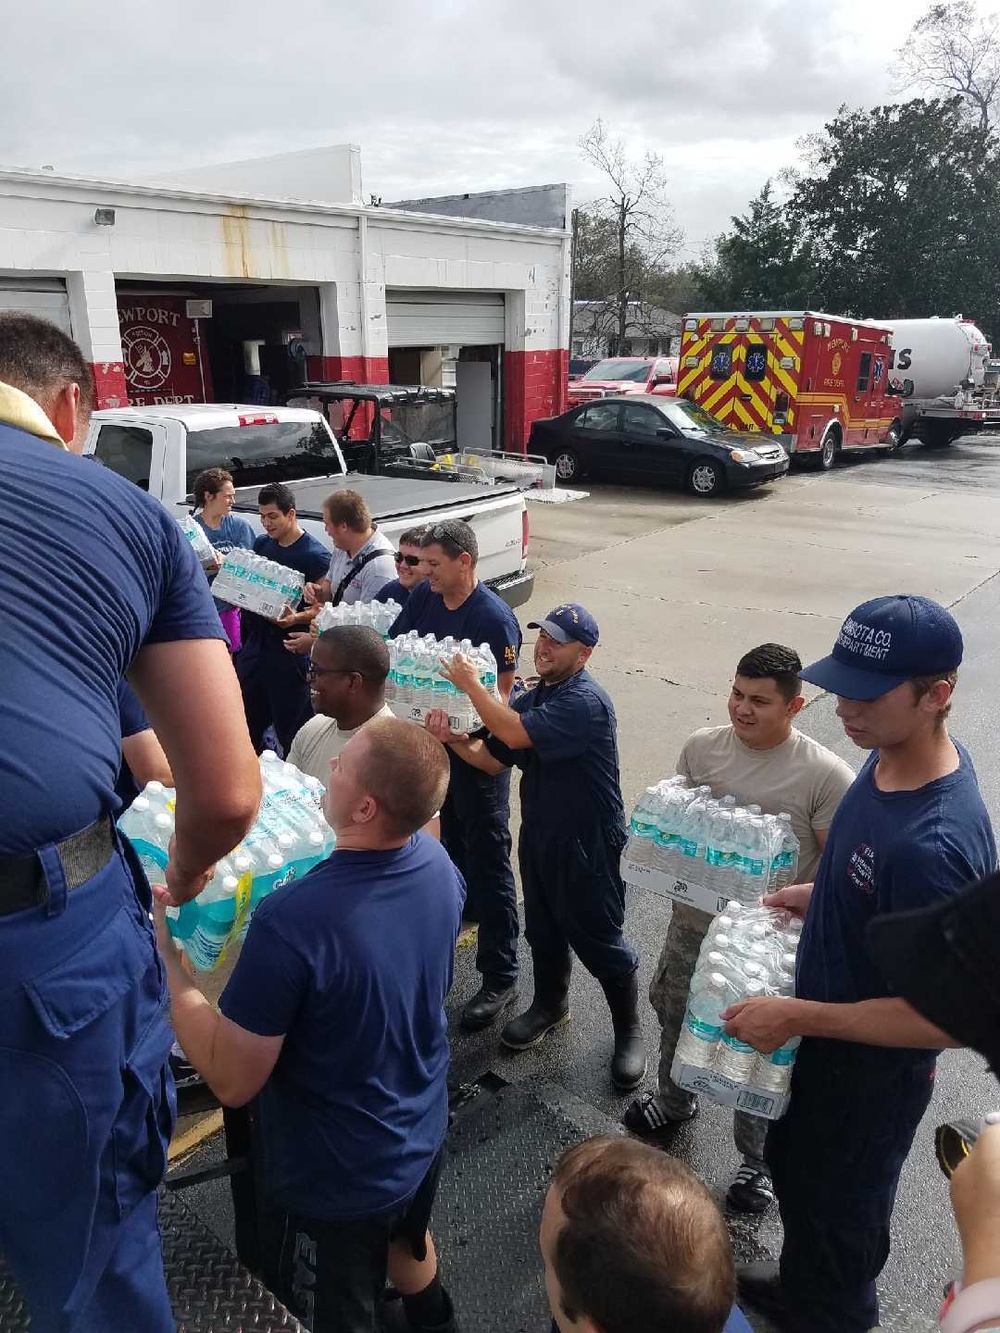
pixel 387 497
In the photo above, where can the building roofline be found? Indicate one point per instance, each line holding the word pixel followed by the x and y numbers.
pixel 149 190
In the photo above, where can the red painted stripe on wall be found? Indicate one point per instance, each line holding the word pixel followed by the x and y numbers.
pixel 110 386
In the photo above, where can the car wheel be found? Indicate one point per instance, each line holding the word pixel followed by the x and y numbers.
pixel 567 463
pixel 894 438
pixel 828 450
pixel 706 478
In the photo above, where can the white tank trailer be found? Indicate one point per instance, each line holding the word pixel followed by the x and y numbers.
pixel 944 373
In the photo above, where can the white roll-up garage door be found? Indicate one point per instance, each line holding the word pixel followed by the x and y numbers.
pixel 439 318
pixel 45 297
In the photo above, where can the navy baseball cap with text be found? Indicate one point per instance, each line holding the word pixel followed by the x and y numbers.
pixel 568 622
pixel 885 642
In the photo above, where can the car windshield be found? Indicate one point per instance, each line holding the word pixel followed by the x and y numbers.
pixel 633 371
pixel 690 417
pixel 273 451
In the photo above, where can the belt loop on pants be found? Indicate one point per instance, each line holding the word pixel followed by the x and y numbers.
pixel 55 877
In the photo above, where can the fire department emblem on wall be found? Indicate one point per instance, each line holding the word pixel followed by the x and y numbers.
pixel 147 358
pixel 837 363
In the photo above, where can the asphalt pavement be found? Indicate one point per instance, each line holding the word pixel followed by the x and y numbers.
pixel 682 587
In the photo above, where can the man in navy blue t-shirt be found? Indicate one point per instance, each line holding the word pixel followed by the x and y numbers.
pixel 275 681
pixel 562 735
pixel 87 1108
pixel 475 819
pixel 911 831
pixel 335 1015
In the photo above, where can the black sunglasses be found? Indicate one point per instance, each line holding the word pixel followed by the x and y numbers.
pixel 411 560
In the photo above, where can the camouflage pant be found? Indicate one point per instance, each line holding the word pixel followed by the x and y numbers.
pixel 668 993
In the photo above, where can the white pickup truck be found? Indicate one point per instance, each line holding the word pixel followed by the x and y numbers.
pixel 162 449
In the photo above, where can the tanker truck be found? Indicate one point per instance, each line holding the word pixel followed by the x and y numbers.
pixel 944 373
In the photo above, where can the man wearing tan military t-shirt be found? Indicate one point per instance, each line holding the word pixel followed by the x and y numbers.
pixel 761 759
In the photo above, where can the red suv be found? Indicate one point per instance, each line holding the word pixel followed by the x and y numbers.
pixel 624 375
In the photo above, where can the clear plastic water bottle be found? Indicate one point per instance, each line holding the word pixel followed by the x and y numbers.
pixel 424 666
pixel 488 669
pixel 642 829
pixel 735 1058
pixel 703 1028
pixel 404 671
pixel 788 853
pixel 200 544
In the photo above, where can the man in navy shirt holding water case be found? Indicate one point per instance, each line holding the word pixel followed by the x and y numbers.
pixel 335 1015
pixel 562 735
pixel 475 820
pixel 911 831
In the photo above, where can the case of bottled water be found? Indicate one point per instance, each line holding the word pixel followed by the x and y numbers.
pixel 288 838
pixel 748 952
pixel 195 534
pixel 695 849
pixel 262 586
pixel 380 616
pixel 416 683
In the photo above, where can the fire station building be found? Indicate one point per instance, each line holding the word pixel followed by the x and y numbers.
pixel 238 282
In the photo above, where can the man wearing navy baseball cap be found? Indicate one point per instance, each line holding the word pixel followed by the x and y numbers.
pixel 910 832
pixel 562 735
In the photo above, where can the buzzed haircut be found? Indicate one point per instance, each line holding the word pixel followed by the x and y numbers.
pixel 644 1244
pixel 348 507
pixel 278 494
pixel 412 536
pixel 406 770
pixel 455 538
pixel 773 661
pixel 40 359
pixel 358 648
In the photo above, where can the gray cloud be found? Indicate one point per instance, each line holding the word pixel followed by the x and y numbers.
pixel 444 95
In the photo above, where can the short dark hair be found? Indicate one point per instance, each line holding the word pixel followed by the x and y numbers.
pixel 348 507
pixel 773 661
pixel 209 482
pixel 40 359
pixel 278 494
pixel 406 770
pixel 644 1244
pixel 359 648
pixel 454 536
pixel 411 537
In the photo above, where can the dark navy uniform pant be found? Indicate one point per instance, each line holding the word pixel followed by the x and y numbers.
pixel 87 1104
pixel 275 690
pixel 835 1157
pixel 475 831
pixel 574 898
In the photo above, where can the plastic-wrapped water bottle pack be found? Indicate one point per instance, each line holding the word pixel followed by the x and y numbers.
pixel 258 585
pixel 203 548
pixel 416 683
pixel 748 952
pixel 729 850
pixel 380 616
pixel 288 838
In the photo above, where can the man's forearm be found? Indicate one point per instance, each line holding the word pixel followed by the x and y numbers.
pixel 196 1021
pixel 475 753
pixel 886 1022
pixel 501 721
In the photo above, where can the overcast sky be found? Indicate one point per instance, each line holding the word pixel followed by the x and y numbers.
pixel 444 95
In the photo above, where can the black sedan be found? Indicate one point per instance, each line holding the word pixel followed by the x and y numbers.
pixel 663 439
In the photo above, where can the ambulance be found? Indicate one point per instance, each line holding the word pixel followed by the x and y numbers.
pixel 817 383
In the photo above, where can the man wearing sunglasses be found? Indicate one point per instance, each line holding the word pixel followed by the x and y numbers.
pixel 410 571
pixel 347 677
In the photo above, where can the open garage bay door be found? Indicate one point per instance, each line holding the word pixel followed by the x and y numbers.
pixel 45 297
pixel 444 318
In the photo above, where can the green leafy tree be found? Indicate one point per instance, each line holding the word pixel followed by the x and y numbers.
pixel 763 263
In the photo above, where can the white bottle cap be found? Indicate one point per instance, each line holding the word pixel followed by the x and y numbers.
pixel 724 922
pixel 141 803
pixel 316 838
pixel 733 908
pixel 721 941
pixel 285 840
pixel 163 821
pixel 275 861
pixel 753 970
pixel 242 862
pixel 716 959
pixel 717 981
pixel 155 786
pixel 230 884
pixel 755 986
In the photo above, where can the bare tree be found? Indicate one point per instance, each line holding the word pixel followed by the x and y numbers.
pixel 952 50
pixel 637 210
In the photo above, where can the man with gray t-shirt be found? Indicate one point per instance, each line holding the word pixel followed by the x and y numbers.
pixel 760 759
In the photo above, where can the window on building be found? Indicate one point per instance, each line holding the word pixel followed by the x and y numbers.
pixel 127 450
pixel 599 416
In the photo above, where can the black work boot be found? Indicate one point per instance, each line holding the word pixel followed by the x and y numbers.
pixel 549 1009
pixel 628 1064
pixel 488 1004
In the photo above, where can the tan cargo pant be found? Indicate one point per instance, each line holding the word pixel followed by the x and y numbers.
pixel 668 993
